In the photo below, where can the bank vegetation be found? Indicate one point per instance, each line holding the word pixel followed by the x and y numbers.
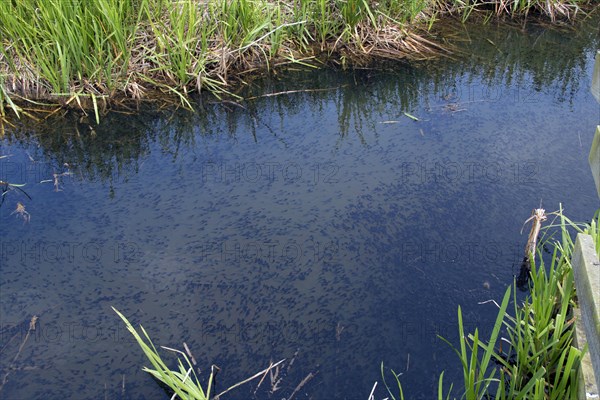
pixel 90 54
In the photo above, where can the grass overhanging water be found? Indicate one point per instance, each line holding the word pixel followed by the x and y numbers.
pixel 86 53
pixel 541 361
pixel 183 382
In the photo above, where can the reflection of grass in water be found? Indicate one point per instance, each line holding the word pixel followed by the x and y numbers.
pixel 520 64
pixel 541 361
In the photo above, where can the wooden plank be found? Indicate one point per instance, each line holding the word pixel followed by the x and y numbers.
pixel 586 268
pixel 594 159
pixel 596 78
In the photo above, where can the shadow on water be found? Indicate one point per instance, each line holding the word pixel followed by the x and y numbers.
pixel 319 222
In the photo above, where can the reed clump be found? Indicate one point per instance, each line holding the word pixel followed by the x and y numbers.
pixel 88 53
pixel 530 353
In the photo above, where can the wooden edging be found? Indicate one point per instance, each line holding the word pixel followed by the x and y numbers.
pixel 586 269
pixel 594 159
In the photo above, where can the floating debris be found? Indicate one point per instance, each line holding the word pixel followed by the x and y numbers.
pixel 411 116
pixel 537 216
pixel 21 212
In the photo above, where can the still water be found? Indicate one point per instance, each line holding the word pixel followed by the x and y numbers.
pixel 317 221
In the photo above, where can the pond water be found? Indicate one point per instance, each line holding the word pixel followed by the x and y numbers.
pixel 316 222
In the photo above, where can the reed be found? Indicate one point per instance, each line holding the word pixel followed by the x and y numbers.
pixel 183 381
pixel 79 52
pixel 541 361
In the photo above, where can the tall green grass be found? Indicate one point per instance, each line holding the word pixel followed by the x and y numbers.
pixel 80 51
pixel 68 41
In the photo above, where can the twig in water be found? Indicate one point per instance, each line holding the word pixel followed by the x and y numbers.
pixel 489 301
pixel 55 179
pixel 338 331
pixel 274 375
pixel 187 350
pixel 262 379
pixel 538 216
pixel 371 397
pixel 412 117
pixel 32 324
pixel 287 371
pixel 269 368
pixel 295 91
pixel 11 186
pixel 301 384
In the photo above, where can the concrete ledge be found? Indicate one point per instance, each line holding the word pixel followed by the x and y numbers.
pixel 586 269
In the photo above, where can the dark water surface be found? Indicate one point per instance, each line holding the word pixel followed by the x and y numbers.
pixel 324 225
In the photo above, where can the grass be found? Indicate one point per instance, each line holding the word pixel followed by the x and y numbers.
pixel 183 381
pixel 541 361
pixel 82 52
pixel 592 229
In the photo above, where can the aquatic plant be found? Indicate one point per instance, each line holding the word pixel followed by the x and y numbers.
pixel 541 361
pixel 592 228
pixel 184 382
pixel 594 231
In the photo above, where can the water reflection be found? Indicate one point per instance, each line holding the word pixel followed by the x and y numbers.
pixel 323 225
pixel 508 61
